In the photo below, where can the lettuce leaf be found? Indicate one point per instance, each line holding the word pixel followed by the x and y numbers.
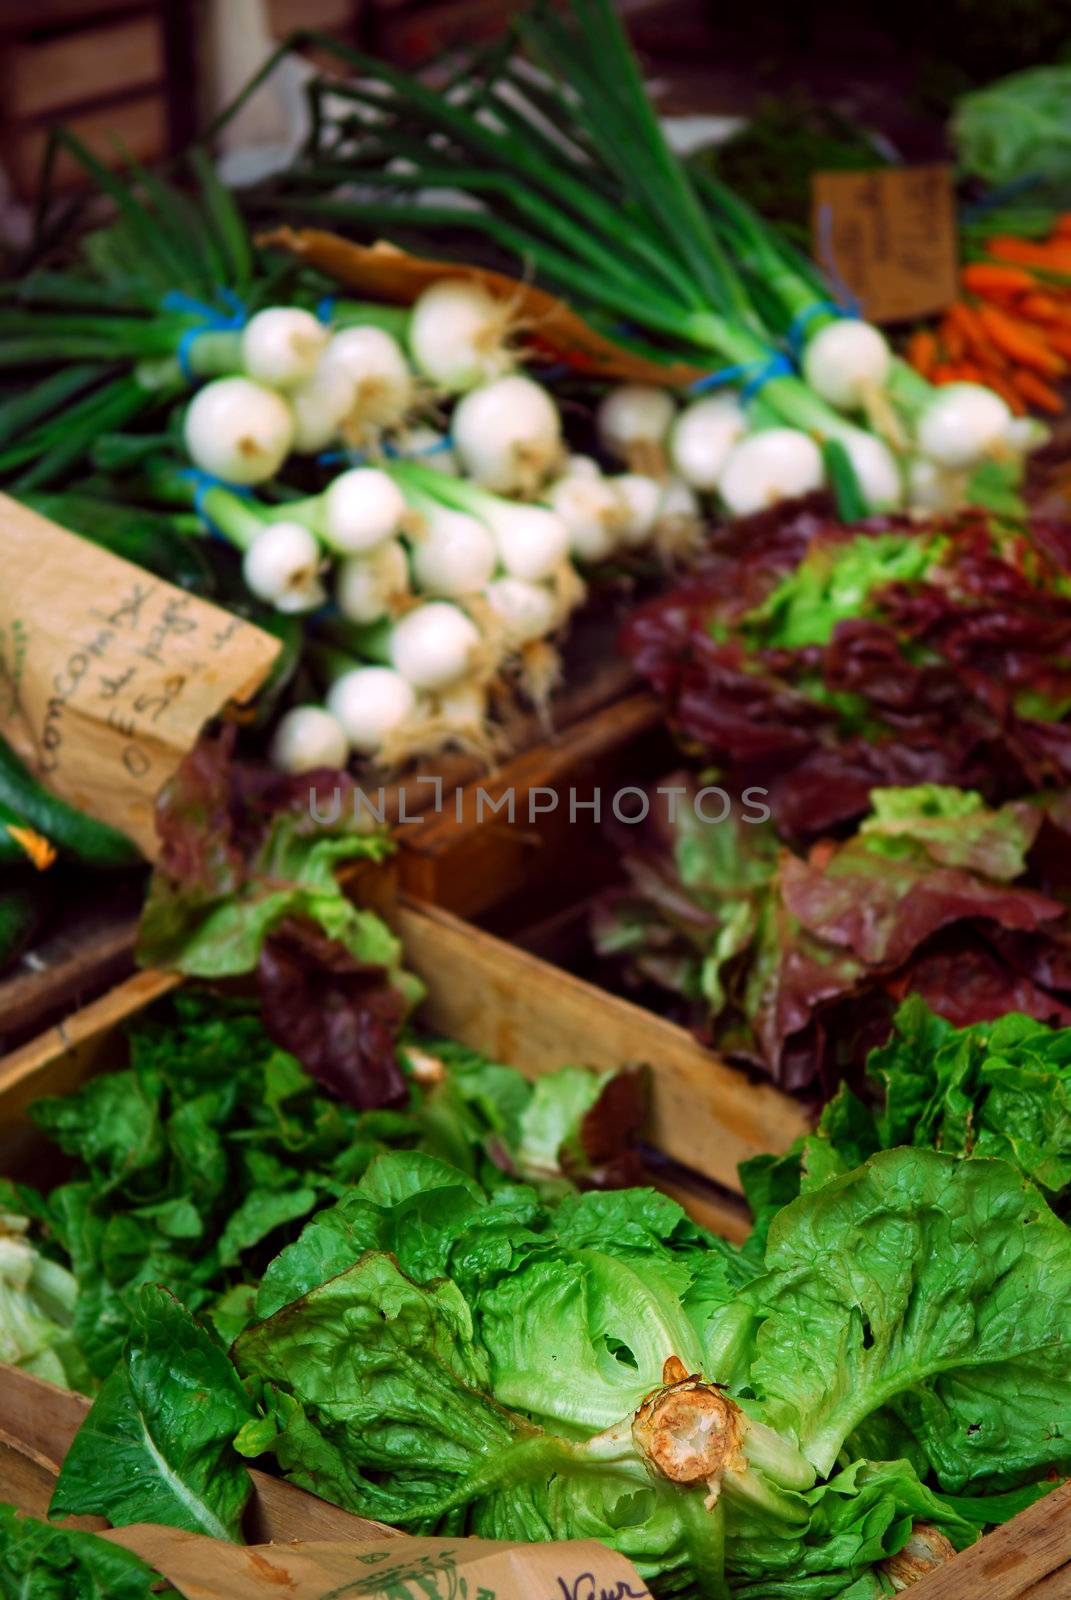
pixel 200 1161
pixel 502 1365
pixel 999 1089
pixel 42 1562
pixel 795 963
pixel 933 1286
pixel 822 662
pixel 164 1423
pixel 247 882
pixel 37 1297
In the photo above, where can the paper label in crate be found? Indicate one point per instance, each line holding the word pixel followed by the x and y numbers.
pixel 108 673
pixel 887 239
pixel 396 1569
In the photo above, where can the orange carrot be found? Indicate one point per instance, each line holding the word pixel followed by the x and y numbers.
pixel 991 277
pixel 1036 391
pixel 922 351
pixel 945 372
pixel 1058 339
pixel 1049 256
pixel 966 319
pixel 1019 342
pixel 953 340
pixel 1040 308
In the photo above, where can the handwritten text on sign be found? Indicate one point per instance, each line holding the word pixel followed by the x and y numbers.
pixel 107 673
pixel 887 238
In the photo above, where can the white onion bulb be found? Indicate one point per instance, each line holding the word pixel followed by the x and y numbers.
pixel 455 555
pixel 593 512
pixel 702 436
pixel 642 498
pixel 962 424
pixel 457 332
pixel 281 346
pixel 321 405
pixel 876 470
pixel 434 645
pixel 366 586
pixel 776 464
pixel 375 364
pixel 508 435
pixel 370 703
pixel 527 611
pixel 309 737
pixel 238 431
pixel 532 541
pixel 846 361
pixel 361 508
pixel 634 415
pixel 281 567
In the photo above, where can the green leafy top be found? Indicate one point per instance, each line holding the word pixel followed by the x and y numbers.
pixel 198 1160
pixel 833 583
pixel 999 1089
pixel 937 1286
pixel 1018 128
pixel 164 1422
pixel 41 1562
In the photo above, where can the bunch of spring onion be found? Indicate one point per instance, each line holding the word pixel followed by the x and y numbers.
pixel 115 336
pixel 563 168
pixel 443 575
pixel 939 435
pixel 449 558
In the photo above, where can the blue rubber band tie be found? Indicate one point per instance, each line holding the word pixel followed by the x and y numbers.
pixel 797 329
pixel 755 375
pixel 357 458
pixel 325 311
pixel 212 320
pixel 202 482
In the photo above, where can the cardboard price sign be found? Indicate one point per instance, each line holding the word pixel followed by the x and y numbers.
pixel 398 1569
pixel 888 237
pixel 107 673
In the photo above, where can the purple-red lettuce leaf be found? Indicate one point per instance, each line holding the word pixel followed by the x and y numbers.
pixel 822 662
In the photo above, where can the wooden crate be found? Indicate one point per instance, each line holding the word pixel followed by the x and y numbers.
pixel 504 1001
pixel 705 1116
pixel 464 856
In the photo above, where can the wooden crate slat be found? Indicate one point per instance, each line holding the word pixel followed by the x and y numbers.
pixel 470 856
pixel 139 125
pixel 46 75
pixel 1029 1558
pixel 704 1113
pixel 66 1055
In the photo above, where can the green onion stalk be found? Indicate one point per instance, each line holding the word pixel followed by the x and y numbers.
pixel 574 179
pixel 157 301
pixel 555 140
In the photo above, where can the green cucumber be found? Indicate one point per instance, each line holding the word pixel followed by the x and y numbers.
pixel 11 851
pixel 23 908
pixel 89 841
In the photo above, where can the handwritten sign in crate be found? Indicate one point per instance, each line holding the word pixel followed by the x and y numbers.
pixel 887 239
pixel 107 673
